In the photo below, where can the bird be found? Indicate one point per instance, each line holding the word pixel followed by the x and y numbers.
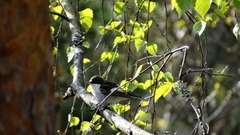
pixel 107 92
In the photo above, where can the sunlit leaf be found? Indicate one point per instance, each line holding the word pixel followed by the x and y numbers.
pixel 145 103
pixel 139 69
pixel 54 51
pixel 150 6
pixel 57 9
pixel 85 126
pixel 181 6
pixel 104 56
pixel 139 43
pixel 74 121
pixel 119 40
pixel 148 83
pixel 102 30
pixel 141 123
pixel 202 6
pixel 199 27
pixel 119 108
pixel 52 29
pixel 95 118
pixel 113 25
pixel 119 7
pixel 143 116
pixel 86 16
pixel 162 90
pixel 217 2
pixel 86 60
pixel 152 49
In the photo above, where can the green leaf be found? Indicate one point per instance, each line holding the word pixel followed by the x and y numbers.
pixel 143 116
pixel 86 60
pixel 86 16
pixel 236 30
pixel 202 6
pixel 168 77
pixel 129 86
pixel 181 6
pixel 152 49
pixel 236 4
pixel 86 44
pixel 119 8
pixel 199 27
pixel 151 6
pixel 74 121
pixel 57 9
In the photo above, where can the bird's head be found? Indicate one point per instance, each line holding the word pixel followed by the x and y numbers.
pixel 96 80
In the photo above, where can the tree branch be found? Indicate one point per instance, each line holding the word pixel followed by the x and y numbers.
pixel 77 87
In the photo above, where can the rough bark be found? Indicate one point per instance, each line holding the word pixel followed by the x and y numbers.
pixel 27 101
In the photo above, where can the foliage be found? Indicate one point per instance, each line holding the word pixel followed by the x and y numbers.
pixel 130 44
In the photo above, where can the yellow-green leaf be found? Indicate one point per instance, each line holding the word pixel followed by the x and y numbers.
pixel 86 16
pixel 74 121
pixel 152 48
pixel 95 118
pixel 148 83
pixel 150 6
pixel 113 25
pixel 104 56
pixel 86 60
pixel 181 6
pixel 85 126
pixel 145 103
pixel 52 29
pixel 57 9
pixel 119 108
pixel 119 7
pixel 119 40
pixel 143 116
pixel 139 43
pixel 162 90
pixel 139 69
pixel 202 6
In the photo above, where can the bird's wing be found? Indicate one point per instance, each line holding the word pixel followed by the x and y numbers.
pixel 107 87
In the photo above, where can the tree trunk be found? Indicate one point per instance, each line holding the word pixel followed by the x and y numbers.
pixel 27 104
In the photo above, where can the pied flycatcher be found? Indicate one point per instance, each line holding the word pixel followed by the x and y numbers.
pixel 107 92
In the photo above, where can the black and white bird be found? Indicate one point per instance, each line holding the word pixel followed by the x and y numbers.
pixel 107 92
